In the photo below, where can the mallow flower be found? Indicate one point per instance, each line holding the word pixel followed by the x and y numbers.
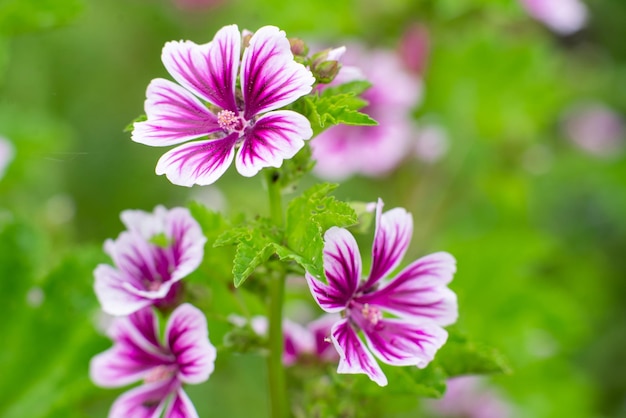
pixel 150 258
pixel 342 151
pixel 226 100
pixel 184 356
pixel 401 318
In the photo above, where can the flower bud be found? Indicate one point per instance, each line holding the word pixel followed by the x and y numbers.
pixel 326 71
pixel 298 47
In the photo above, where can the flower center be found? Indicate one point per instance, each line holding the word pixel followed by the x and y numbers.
pixel 371 314
pixel 229 121
pixel 159 373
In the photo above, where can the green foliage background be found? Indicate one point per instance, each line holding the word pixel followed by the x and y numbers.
pixel 540 252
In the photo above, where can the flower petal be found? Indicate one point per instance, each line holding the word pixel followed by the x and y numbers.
pixel 208 70
pixel 342 268
pixel 135 353
pixel 180 406
pixel 113 292
pixel 320 329
pixel 401 343
pixel 188 338
pixel 274 137
pixel 354 357
pixel 393 234
pixel 298 342
pixel 199 162
pixel 270 78
pixel 145 401
pixel 174 116
pixel 419 291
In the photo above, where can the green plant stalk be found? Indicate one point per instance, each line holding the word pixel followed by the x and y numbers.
pixel 275 369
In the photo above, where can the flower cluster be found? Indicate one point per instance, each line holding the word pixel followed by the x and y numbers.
pixel 227 106
pixel 417 297
pixel 151 257
pixel 243 92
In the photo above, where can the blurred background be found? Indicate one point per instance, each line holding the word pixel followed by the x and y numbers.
pixel 509 153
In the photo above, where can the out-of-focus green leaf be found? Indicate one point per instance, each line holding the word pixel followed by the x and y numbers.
pixel 59 313
pixel 460 356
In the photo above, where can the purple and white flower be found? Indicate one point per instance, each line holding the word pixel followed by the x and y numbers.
pixel 150 259
pixel 209 105
pixel 342 151
pixel 401 318
pixel 310 341
pixel 185 356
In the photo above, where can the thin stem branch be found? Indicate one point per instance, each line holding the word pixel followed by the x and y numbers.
pixel 276 372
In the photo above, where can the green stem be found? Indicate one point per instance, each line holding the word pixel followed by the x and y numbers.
pixel 276 372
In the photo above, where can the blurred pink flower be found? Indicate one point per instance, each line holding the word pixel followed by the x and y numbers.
pixel 431 143
pixel 470 397
pixel 415 48
pixel 595 128
pixel 562 16
pixel 6 155
pixel 342 151
pixel 312 340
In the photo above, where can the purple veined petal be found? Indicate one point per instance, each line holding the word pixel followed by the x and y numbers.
pixel 342 261
pixel 274 137
pixel 342 268
pixel 188 241
pixel 321 329
pixel 354 356
pixel 180 406
pixel 298 341
pixel 270 78
pixel 394 229
pixel 145 401
pixel 136 351
pixel 198 162
pixel 402 343
pixel 187 337
pixel 174 116
pixel 419 291
pixel 144 268
pixel 208 70
pixel 328 298
pixel 113 294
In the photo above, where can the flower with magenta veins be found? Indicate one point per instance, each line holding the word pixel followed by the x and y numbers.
pixel 150 259
pixel 212 115
pixel 401 318
pixel 185 356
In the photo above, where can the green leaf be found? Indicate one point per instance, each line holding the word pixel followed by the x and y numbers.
pixel 256 242
pixel 356 88
pixel 308 217
pixel 461 356
pixel 19 16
